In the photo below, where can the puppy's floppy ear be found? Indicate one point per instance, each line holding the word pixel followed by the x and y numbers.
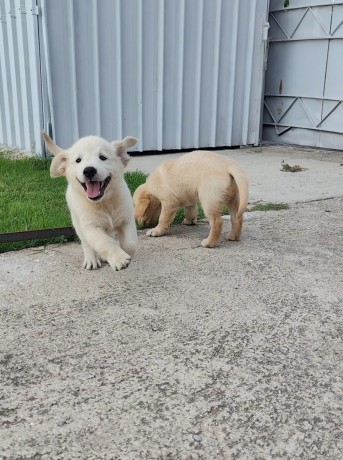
pixel 59 162
pixel 122 146
pixel 50 145
pixel 58 165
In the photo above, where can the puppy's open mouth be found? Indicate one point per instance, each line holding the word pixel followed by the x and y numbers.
pixel 95 189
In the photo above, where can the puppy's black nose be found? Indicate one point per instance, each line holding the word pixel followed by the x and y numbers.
pixel 89 172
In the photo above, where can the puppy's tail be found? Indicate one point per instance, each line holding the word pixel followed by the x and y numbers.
pixel 239 176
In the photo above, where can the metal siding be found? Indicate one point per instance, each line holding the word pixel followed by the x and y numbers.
pixel 159 70
pixel 60 55
pixel 192 78
pixel 85 67
pixel 25 77
pixel 34 88
pixel 109 72
pixel 172 74
pixel 248 73
pixel 176 74
pixel 227 72
pixel 152 75
pixel 20 85
pixel 209 73
pixel 129 63
pixel 4 106
pixel 240 72
pixel 9 114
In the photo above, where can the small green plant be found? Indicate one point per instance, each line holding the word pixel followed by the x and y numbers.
pixel 285 167
pixel 134 179
pixel 286 4
pixel 268 207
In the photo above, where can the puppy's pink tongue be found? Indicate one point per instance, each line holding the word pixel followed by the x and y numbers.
pixel 93 189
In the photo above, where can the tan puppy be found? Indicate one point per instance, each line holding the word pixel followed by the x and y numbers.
pixel 99 200
pixel 205 177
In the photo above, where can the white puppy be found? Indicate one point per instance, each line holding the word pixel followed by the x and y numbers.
pixel 98 197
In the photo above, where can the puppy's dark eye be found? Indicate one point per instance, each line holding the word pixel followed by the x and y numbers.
pixel 102 157
pixel 78 160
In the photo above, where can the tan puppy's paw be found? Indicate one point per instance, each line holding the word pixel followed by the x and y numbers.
pixel 232 237
pixel 207 243
pixel 120 260
pixel 190 221
pixel 91 263
pixel 155 232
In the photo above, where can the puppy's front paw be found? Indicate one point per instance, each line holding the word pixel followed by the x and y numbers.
pixel 120 260
pixel 155 232
pixel 91 263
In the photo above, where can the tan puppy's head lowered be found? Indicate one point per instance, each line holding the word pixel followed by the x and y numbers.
pixel 147 207
pixel 99 200
pixel 202 177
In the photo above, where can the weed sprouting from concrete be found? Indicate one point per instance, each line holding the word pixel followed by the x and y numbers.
pixel 285 167
pixel 268 207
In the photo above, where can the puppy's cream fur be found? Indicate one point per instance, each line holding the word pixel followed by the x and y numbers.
pixel 201 176
pixel 99 200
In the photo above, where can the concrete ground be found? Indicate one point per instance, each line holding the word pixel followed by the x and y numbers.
pixel 189 353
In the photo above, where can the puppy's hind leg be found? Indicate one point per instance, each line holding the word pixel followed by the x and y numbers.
pixel 216 224
pixel 191 215
pixel 236 223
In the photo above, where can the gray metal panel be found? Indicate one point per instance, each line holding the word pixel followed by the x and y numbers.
pixel 20 83
pixel 290 73
pixel 303 96
pixel 279 5
pixel 176 74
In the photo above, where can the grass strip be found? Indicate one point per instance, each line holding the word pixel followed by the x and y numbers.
pixel 268 207
pixel 31 200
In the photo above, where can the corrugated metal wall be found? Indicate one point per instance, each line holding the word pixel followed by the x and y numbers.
pixel 21 116
pixel 174 73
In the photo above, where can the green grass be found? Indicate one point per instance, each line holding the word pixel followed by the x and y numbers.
pixel 30 199
pixel 268 207
pixel 134 179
